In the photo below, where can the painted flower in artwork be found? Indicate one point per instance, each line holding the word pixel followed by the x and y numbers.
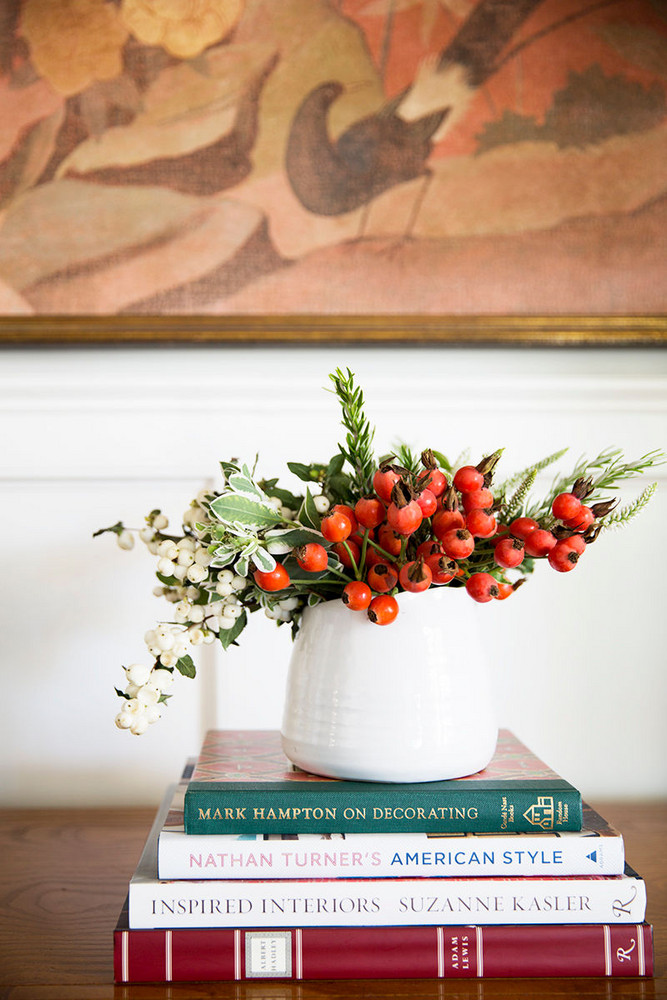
pixel 74 42
pixel 183 27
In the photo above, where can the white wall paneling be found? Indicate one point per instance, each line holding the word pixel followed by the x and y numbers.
pixel 92 436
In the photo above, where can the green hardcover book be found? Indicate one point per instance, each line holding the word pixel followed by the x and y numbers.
pixel 243 783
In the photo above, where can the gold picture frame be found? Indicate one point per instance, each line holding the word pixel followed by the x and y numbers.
pixel 547 331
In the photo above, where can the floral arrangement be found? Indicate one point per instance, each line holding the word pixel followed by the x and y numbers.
pixel 361 531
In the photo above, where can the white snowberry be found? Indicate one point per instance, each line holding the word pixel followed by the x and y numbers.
pixel 160 522
pixel 125 540
pixel 196 573
pixel 139 725
pixel 161 678
pixel 137 673
pixel 321 504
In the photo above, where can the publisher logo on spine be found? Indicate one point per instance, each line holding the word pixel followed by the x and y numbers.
pixel 268 954
pixel 541 813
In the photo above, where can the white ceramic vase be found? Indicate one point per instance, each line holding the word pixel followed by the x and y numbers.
pixel 410 701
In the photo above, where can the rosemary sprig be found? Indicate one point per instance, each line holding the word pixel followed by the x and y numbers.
pixel 358 447
pixel 619 518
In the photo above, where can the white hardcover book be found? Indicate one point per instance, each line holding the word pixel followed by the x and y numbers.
pixel 597 850
pixel 155 903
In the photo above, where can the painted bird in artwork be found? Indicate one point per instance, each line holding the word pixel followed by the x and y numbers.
pixel 393 145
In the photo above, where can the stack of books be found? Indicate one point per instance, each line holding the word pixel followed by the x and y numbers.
pixel 255 869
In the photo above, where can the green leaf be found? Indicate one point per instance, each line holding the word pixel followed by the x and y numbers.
pixel 301 471
pixel 231 508
pixel 295 536
pixel 229 467
pixel 168 581
pixel 335 465
pixel 263 560
pixel 122 694
pixel 222 557
pixel 442 460
pixel 229 635
pixel 116 529
pixel 285 497
pixel 242 565
pixel 245 485
pixel 308 514
pixel 186 666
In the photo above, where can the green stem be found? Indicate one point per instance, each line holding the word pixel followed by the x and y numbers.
pixel 383 552
pixel 357 574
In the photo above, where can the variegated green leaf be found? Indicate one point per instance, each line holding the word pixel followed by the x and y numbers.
pixel 308 514
pixel 235 509
pixel 263 560
pixel 244 485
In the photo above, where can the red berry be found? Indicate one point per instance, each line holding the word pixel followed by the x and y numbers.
pixel 382 577
pixel 346 556
pixel 275 579
pixel 566 506
pixel 442 569
pixel 312 557
pixel 505 590
pixel 509 552
pixel 356 595
pixel 563 557
pixel 349 512
pixel 436 482
pixel 404 520
pixel 383 609
pixel 369 512
pixel 482 587
pixel 445 520
pixel 429 548
pixel 582 520
pixel 480 523
pixel 384 481
pixel 521 527
pixel 477 498
pixel 577 543
pixel 468 478
pixel 336 526
pixel 373 557
pixel 458 543
pixel 427 502
pixel 389 540
pixel 539 543
pixel 415 576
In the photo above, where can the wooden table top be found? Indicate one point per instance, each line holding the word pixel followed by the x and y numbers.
pixel 63 878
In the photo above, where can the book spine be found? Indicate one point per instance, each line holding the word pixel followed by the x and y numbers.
pixel 386 856
pixel 363 808
pixel 382 953
pixel 386 902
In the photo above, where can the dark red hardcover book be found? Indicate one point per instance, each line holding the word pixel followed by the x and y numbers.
pixel 413 952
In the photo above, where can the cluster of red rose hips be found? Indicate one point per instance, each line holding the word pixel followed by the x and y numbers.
pixel 418 530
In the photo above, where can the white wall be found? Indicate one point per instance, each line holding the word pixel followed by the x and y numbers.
pixel 91 436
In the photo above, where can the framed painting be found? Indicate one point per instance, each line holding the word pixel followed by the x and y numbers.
pixel 385 170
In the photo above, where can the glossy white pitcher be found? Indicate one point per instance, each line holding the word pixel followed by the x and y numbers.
pixel 410 701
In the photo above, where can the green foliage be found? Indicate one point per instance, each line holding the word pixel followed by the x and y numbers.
pixel 619 518
pixel 229 636
pixel 185 665
pixel 358 447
